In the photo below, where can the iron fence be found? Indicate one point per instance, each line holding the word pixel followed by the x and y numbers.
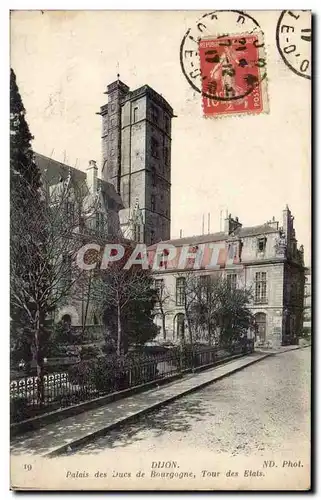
pixel 90 379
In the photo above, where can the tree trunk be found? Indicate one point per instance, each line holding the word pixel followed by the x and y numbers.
pixel 87 306
pixel 119 330
pixel 181 349
pixel 163 326
pixel 190 332
pixel 209 332
pixel 38 359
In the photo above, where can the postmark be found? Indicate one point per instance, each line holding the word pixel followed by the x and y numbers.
pixel 233 74
pixel 293 40
pixel 228 81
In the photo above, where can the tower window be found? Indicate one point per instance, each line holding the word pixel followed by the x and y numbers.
pixel 154 114
pixel 166 155
pixel 154 177
pixel 153 203
pixel 152 236
pixel 166 124
pixel 154 147
pixel 112 122
pixel 125 194
pixel 137 233
pixel 135 116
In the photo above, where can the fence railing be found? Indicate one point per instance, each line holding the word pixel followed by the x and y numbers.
pixel 90 379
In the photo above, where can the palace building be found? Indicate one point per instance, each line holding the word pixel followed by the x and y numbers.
pixel 264 257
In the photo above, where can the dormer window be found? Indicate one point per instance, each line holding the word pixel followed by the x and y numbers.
pixel 261 244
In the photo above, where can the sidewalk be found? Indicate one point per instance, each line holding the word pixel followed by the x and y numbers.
pixel 59 437
pixel 280 349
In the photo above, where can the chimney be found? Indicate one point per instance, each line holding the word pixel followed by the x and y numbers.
pixel 92 171
pixel 230 224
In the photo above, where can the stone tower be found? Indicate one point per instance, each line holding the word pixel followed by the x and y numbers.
pixel 111 132
pixel 136 159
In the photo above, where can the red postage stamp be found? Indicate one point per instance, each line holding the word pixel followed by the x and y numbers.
pixel 233 73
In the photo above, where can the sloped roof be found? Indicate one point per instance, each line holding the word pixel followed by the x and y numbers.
pixel 241 232
pixel 54 171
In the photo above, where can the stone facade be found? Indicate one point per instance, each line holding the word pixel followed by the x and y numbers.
pixel 307 301
pixel 264 258
pixel 136 159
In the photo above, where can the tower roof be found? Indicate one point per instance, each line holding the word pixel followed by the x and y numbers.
pixel 155 96
pixel 117 85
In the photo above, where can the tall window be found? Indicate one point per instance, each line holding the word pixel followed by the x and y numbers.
pixel 154 147
pixel 100 223
pixel 162 259
pixel 125 194
pixel 231 281
pixel 159 285
pixel 260 287
pixel 204 284
pixel 137 233
pixel 70 210
pixel 67 271
pixel 180 291
pixel 152 236
pixel 135 117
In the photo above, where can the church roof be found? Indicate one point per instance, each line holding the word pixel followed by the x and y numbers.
pixel 54 171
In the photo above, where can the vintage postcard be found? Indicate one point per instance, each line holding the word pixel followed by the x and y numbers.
pixel 160 281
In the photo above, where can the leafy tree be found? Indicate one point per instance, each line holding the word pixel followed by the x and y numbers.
pixel 47 257
pixel 126 300
pixel 25 212
pixel 44 239
pixel 217 310
pixel 21 154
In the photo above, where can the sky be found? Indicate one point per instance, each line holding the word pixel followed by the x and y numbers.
pixel 250 165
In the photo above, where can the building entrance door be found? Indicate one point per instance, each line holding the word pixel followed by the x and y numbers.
pixel 260 320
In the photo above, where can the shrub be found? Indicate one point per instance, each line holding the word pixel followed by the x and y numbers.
pixel 90 351
pixel 18 409
pixel 111 373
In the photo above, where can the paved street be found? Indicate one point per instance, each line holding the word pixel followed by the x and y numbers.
pixel 265 407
